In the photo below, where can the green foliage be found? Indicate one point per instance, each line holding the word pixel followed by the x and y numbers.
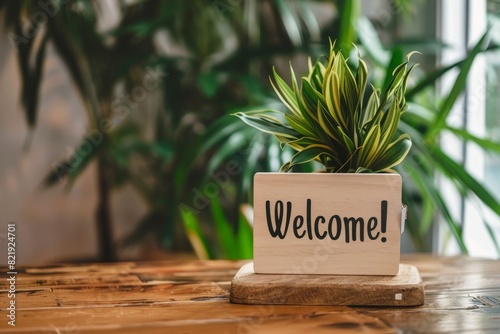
pixel 425 123
pixel 225 45
pixel 222 45
pixel 230 242
pixel 326 120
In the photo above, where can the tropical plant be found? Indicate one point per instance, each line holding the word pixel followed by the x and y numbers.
pixel 327 120
pixel 221 43
pixel 218 73
pixel 424 121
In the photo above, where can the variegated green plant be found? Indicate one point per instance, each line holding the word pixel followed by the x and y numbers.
pixel 326 119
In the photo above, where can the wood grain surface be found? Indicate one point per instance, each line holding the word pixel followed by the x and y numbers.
pixel 461 296
pixel 327 223
pixel 404 289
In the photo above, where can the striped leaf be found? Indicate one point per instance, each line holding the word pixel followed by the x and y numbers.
pixel 326 120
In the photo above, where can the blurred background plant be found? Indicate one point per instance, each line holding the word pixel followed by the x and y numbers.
pixel 159 80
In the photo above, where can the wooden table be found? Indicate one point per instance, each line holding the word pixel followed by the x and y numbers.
pixel 462 296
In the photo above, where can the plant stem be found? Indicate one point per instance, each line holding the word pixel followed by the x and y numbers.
pixel 349 13
pixel 103 214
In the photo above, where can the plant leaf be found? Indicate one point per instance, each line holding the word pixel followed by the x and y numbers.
pixel 458 173
pixel 195 236
pixel 456 90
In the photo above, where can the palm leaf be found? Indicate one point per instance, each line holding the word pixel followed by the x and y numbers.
pixel 457 89
pixel 456 172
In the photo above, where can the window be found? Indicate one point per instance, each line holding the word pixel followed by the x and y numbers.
pixel 463 23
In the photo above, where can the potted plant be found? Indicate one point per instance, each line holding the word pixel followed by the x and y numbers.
pixel 346 219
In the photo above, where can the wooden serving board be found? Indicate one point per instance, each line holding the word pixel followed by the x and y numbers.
pixel 404 289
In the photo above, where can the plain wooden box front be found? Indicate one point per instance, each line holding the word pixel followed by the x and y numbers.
pixel 343 195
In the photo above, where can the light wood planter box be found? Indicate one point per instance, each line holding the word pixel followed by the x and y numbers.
pixel 319 223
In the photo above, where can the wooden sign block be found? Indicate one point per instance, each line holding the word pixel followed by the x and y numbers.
pixel 320 223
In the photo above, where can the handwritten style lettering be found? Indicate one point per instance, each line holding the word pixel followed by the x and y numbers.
pixel 320 227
